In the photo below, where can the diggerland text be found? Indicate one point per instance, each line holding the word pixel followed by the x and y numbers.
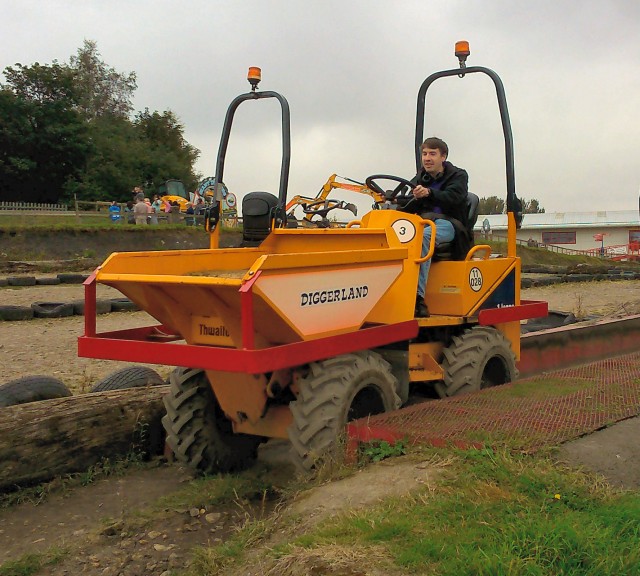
pixel 336 295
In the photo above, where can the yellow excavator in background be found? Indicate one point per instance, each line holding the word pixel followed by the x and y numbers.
pixel 321 204
pixel 175 193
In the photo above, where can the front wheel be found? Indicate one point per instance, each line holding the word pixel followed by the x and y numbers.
pixel 334 392
pixel 198 432
pixel 479 358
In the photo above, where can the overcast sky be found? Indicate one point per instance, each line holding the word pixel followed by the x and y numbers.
pixel 351 71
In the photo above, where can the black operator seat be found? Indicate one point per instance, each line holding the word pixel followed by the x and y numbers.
pixel 463 242
pixel 257 213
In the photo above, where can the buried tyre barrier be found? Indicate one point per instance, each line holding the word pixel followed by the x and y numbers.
pixel 32 389
pixel 123 305
pixel 21 280
pixel 554 319
pixel 52 309
pixel 70 278
pixel 129 377
pixel 11 313
pixel 48 281
pixel 102 307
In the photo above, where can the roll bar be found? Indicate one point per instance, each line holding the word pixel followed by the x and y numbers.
pixel 286 142
pixel 513 203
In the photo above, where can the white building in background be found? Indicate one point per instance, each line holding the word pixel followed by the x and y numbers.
pixel 573 230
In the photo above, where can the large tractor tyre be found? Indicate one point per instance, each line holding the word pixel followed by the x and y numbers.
pixel 479 358
pixel 32 389
pixel 129 377
pixel 334 392
pixel 198 432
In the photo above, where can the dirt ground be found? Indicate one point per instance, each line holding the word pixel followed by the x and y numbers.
pixel 94 520
pixel 49 346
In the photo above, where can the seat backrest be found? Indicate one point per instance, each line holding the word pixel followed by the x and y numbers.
pixel 457 249
pixel 473 205
pixel 257 213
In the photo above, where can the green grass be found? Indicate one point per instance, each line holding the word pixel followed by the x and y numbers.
pixel 216 560
pixel 503 514
pixel 83 222
pixel 542 256
pixel 33 563
pixel 541 388
pixel 489 513
pixel 88 221
pixel 258 484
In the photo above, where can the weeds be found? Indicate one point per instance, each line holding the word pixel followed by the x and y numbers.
pixel 33 563
pixel 377 451
pixel 217 560
pixel 578 310
pixel 106 467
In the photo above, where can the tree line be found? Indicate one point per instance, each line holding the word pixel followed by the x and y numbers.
pixel 495 205
pixel 69 130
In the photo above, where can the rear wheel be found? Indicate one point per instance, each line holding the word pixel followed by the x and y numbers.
pixel 198 432
pixel 333 393
pixel 479 358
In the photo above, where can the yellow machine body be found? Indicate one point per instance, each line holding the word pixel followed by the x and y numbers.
pixel 308 284
pixel 303 329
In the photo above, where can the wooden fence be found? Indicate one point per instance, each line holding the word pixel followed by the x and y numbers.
pixel 33 207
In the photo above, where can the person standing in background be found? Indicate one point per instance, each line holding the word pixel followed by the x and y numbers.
pixel 114 212
pixel 140 210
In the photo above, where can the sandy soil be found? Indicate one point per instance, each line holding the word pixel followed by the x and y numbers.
pixel 49 346
pixel 604 298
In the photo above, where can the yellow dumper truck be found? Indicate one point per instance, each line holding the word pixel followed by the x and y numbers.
pixel 304 329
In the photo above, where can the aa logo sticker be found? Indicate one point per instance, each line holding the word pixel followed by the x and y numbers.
pixel 475 279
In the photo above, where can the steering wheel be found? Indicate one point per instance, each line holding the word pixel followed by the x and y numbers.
pixel 400 192
pixel 323 207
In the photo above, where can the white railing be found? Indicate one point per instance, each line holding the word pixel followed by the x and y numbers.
pixel 33 207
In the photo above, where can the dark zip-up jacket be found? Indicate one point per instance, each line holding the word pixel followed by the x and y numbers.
pixel 448 193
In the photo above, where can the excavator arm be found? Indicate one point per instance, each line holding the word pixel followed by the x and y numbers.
pixel 331 184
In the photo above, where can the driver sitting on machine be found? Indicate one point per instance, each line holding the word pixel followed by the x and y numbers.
pixel 440 195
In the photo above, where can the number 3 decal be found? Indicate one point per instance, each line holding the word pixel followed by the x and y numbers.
pixel 475 279
pixel 405 230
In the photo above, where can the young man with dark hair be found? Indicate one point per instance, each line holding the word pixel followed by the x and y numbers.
pixel 440 195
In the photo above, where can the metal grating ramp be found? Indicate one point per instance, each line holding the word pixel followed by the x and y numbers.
pixel 531 413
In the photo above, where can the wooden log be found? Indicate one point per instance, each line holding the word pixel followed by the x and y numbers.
pixel 41 440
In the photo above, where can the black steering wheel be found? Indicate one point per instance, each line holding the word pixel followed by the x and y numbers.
pixel 323 207
pixel 403 191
